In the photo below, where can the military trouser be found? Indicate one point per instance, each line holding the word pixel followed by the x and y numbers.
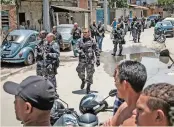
pixel 39 68
pixel 89 69
pixel 134 35
pixel 115 47
pixel 138 35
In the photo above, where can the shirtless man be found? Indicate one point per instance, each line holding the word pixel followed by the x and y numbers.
pixel 130 78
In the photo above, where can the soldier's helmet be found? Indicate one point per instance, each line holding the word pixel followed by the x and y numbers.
pixel 134 19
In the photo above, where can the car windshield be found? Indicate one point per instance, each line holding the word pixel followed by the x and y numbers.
pixel 167 24
pixel 152 17
pixel 172 21
pixel 64 29
pixel 14 38
pixel 65 32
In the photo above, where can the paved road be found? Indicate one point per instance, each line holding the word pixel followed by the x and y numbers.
pixel 69 83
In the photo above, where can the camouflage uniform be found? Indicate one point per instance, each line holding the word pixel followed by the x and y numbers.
pixel 134 30
pixel 139 27
pixel 39 56
pixel 76 32
pixel 87 49
pixel 50 62
pixel 93 29
pixel 118 39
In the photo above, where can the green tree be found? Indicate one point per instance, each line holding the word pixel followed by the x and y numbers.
pixel 165 2
pixel 7 1
pixel 168 5
pixel 119 3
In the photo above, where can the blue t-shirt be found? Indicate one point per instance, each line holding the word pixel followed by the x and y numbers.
pixel 114 24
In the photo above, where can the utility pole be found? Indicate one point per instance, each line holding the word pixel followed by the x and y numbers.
pixel 105 13
pixel 91 10
pixel 46 15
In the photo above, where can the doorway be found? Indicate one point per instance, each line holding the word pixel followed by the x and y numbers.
pixel 21 18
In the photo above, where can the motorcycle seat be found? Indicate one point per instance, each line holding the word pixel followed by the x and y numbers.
pixel 88 120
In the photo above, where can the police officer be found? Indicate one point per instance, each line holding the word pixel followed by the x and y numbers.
pixel 88 51
pixel 139 29
pixel 93 29
pixel 51 59
pixel 76 32
pixel 118 39
pixel 134 29
pixel 100 34
pixel 39 52
pixel 121 23
pixel 58 36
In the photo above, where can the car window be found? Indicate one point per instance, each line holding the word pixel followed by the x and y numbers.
pixel 15 38
pixel 32 38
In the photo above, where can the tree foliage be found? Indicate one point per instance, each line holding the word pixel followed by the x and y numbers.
pixel 119 3
pixel 166 2
pixel 7 1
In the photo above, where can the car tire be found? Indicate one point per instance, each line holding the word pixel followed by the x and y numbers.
pixel 70 47
pixel 30 59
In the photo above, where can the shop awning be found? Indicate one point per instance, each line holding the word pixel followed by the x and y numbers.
pixel 138 7
pixel 69 9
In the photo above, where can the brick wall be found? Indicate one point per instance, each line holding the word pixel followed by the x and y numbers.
pixel 83 4
pixel 12 16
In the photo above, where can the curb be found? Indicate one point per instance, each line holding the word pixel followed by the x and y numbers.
pixel 17 71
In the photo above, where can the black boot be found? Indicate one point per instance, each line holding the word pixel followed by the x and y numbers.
pixel 113 54
pixel 88 88
pixel 120 52
pixel 83 84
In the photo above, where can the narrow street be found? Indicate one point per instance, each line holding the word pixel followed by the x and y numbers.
pixel 69 83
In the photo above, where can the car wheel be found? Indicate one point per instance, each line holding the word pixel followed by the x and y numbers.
pixel 70 47
pixel 30 59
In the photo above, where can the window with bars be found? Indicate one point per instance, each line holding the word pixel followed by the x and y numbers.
pixel 5 20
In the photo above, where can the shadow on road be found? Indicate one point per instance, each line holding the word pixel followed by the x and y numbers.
pixel 81 92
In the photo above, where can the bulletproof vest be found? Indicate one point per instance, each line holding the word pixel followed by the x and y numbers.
pixel 76 34
pixel 87 47
pixel 49 64
pixel 117 34
pixel 94 28
pixel 39 50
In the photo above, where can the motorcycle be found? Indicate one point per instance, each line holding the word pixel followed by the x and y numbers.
pixel 89 107
pixel 159 36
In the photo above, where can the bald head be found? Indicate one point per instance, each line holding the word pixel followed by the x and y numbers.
pixel 50 37
pixel 75 24
pixel 54 28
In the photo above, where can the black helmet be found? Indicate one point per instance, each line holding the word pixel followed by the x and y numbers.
pixel 91 104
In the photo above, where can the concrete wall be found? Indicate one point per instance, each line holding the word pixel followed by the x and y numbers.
pixel 33 12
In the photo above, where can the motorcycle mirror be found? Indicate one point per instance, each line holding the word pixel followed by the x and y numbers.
pixel 113 93
pixel 164 60
pixel 64 102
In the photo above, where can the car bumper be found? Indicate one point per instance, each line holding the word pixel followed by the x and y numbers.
pixel 12 60
pixel 169 33
pixel 65 45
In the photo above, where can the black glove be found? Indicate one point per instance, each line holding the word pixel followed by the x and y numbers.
pixel 98 63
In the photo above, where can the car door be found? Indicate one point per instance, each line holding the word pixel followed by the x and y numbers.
pixel 32 41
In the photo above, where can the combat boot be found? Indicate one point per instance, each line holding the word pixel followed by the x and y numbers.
pixel 88 88
pixel 120 52
pixel 113 54
pixel 83 84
